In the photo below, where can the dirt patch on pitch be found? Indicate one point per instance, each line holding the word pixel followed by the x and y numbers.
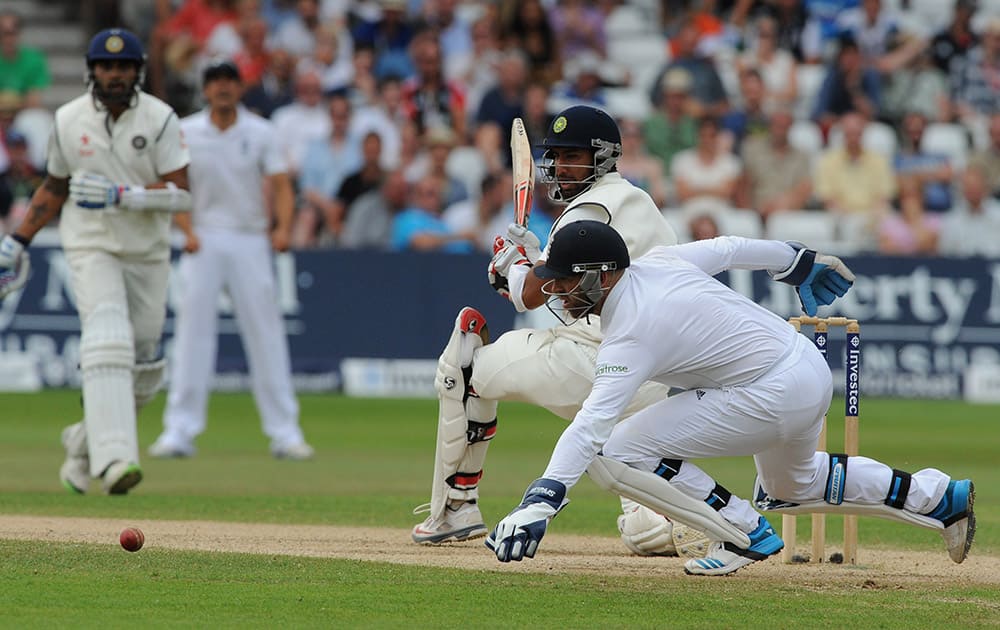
pixel 560 553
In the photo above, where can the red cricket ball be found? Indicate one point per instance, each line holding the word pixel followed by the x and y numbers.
pixel 131 539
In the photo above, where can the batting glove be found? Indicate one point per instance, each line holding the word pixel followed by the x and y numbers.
pixel 95 192
pixel 506 254
pixel 15 265
pixel 819 279
pixel 526 240
pixel 518 534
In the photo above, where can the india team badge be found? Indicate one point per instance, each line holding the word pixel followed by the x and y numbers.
pixel 114 44
pixel 559 125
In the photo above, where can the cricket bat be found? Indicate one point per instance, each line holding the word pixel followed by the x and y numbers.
pixel 524 172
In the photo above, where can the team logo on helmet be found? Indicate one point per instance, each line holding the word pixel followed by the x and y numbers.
pixel 114 44
pixel 559 125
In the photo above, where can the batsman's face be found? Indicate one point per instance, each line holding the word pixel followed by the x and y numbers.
pixel 115 78
pixel 573 167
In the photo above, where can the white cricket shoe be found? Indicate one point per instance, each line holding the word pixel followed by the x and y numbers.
pixel 956 514
pixel 165 448
pixel 296 452
pixel 75 470
pixel 724 558
pixel 459 522
pixel 120 477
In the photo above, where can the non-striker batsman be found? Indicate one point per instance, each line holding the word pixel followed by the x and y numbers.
pixel 117 170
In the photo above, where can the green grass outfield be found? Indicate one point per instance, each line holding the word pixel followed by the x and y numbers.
pixel 373 466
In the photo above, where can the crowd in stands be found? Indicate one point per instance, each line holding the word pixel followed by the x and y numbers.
pixel 858 125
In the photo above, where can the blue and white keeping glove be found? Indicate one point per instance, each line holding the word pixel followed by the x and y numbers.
pixel 518 534
pixel 96 192
pixel 819 279
pixel 14 265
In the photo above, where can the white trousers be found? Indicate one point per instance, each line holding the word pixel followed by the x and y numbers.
pixel 545 368
pixel 135 290
pixel 242 264
pixel 777 419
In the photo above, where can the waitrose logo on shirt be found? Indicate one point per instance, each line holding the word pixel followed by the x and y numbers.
pixel 607 368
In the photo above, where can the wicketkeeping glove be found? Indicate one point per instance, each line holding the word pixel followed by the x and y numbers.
pixel 14 265
pixel 95 192
pixel 818 279
pixel 518 534
pixel 506 254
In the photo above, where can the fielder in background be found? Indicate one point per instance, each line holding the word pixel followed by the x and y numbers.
pixel 753 386
pixel 234 159
pixel 552 368
pixel 117 169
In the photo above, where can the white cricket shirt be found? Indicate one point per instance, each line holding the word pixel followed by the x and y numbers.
pixel 668 320
pixel 228 168
pixel 137 149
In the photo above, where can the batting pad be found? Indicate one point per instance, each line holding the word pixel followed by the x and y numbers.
pixel 657 494
pixel 147 379
pixel 107 356
pixel 765 503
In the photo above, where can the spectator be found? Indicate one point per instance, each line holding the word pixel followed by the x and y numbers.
pixel 821 30
pixel 440 141
pixel 385 117
pixel 671 128
pixel 370 216
pixel 703 227
pixel 972 226
pixel 777 67
pixel 327 163
pixel 988 160
pixel 974 85
pixel 389 39
pixel 367 178
pixel 708 94
pixel 227 39
pixel 536 115
pixel 305 119
pixel 10 105
pixel 872 27
pixel 18 181
pixel 578 26
pixel 429 99
pixel 706 172
pixel 638 166
pixel 955 41
pixel 176 43
pixel 23 69
pixel 918 86
pixel 932 172
pixel 525 25
pixel 910 231
pixel 486 216
pixel 332 58
pixel 790 18
pixel 297 35
pixel 849 86
pixel 420 227
pixel 749 119
pixel 583 84
pixel 852 179
pixel 253 59
pixel 454 33
pixel 276 87
pixel 505 102
pixel 363 90
pixel 478 70
pixel 777 176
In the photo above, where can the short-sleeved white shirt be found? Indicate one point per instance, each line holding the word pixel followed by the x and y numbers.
pixel 668 320
pixel 228 168
pixel 140 147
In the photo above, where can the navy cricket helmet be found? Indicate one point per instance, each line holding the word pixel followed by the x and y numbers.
pixel 580 127
pixel 115 43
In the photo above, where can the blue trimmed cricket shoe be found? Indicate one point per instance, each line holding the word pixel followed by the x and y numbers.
pixel 724 558
pixel 955 513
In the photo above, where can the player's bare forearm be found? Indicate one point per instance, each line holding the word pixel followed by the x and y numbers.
pixel 283 197
pixel 531 294
pixel 46 204
pixel 178 178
